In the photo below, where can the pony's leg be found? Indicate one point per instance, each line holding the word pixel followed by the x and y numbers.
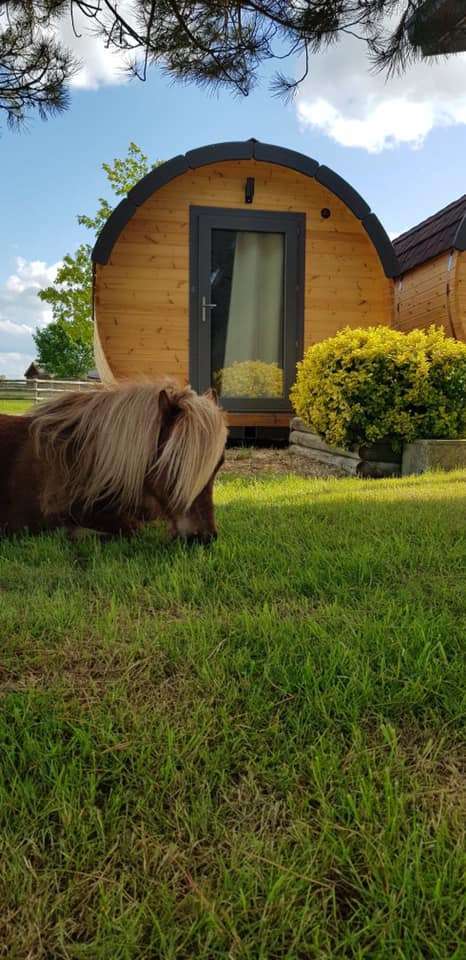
pixel 76 534
pixel 105 525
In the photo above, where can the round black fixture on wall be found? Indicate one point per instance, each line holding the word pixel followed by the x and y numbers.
pixel 325 213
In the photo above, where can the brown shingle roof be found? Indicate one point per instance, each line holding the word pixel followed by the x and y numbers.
pixel 431 237
pixel 439 26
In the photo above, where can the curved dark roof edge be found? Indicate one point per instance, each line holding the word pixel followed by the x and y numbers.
pixel 459 242
pixel 246 150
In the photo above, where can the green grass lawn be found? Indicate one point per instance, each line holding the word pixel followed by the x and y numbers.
pixel 249 751
pixel 14 406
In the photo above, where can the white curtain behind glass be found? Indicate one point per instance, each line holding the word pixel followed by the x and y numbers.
pixel 256 303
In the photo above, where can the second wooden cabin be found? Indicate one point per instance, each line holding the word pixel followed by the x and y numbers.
pixel 431 287
pixel 222 266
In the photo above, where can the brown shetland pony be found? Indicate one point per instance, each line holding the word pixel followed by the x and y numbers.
pixel 111 459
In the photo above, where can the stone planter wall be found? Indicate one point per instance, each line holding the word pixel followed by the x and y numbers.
pixel 378 459
pixel 374 460
pixel 425 455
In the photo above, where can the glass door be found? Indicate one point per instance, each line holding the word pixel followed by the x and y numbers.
pixel 246 305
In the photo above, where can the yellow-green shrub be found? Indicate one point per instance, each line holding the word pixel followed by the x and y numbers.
pixel 365 385
pixel 250 378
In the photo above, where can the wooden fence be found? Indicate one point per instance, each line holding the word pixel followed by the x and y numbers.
pixel 37 390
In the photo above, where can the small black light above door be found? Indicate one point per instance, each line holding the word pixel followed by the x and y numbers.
pixel 249 190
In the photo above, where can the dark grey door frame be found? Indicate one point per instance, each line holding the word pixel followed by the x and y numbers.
pixel 293 225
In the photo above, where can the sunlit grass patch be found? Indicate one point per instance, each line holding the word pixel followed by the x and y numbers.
pixel 249 751
pixel 15 406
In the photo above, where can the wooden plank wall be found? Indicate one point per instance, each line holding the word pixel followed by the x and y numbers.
pixel 460 296
pixel 141 294
pixel 435 293
pixel 421 296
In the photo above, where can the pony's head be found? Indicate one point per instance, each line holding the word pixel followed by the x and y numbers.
pixel 190 452
pixel 146 449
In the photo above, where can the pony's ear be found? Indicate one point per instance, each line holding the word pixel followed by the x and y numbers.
pixel 168 405
pixel 165 404
pixel 212 393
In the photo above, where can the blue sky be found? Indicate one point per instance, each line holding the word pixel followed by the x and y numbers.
pixel 401 144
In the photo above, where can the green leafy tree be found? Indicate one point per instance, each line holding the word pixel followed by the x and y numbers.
pixel 66 357
pixel 65 348
pixel 70 295
pixel 122 176
pixel 212 43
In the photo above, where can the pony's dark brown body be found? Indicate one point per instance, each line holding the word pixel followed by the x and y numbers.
pixel 22 478
pixel 40 472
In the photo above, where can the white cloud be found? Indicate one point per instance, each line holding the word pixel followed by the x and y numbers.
pixel 99 66
pixel 21 312
pixel 13 365
pixel 16 329
pixel 31 275
pixel 344 99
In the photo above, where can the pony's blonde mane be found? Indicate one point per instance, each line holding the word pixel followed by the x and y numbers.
pixel 104 444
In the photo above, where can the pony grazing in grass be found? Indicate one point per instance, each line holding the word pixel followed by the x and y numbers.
pixel 112 459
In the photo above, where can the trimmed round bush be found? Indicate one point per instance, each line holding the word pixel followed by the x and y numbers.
pixel 366 385
pixel 250 378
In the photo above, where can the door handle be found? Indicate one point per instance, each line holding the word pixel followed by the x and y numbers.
pixel 205 307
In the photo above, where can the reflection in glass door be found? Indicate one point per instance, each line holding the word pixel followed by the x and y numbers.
pixel 246 305
pixel 246 328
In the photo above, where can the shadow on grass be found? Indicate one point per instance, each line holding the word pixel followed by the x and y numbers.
pixel 276 541
pixel 267 504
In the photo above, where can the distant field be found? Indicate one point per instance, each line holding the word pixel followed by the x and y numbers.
pixel 14 406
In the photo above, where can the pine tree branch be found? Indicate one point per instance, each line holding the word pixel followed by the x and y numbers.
pixel 202 41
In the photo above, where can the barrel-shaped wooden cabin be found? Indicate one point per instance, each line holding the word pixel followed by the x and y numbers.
pixel 431 287
pixel 222 266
